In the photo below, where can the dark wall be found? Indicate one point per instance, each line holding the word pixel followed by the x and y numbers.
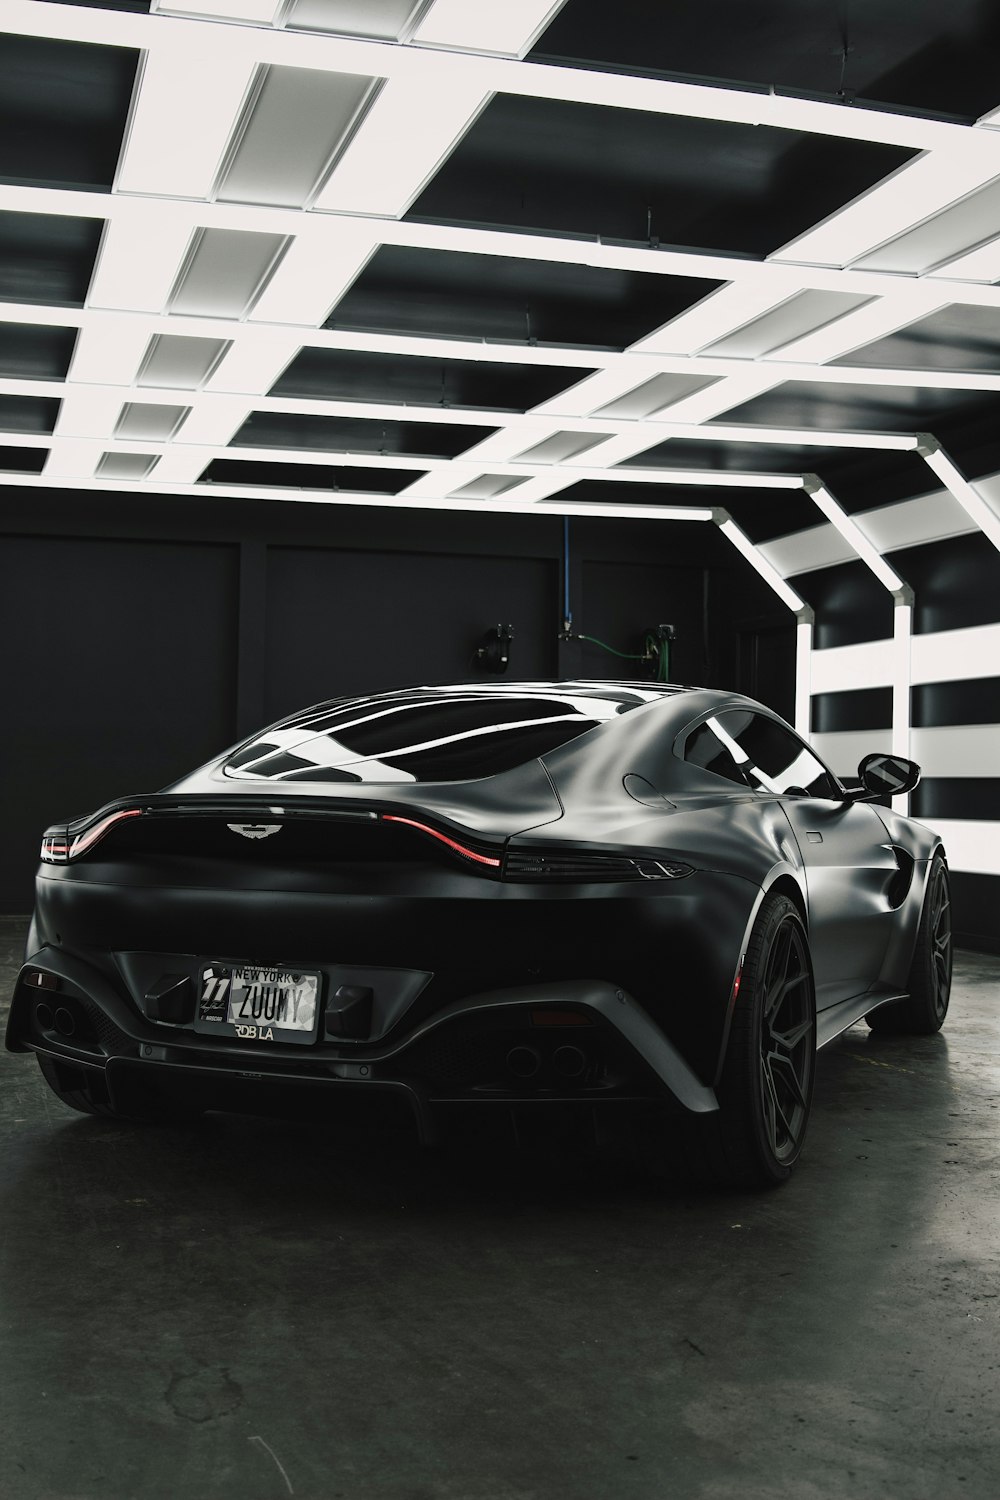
pixel 143 635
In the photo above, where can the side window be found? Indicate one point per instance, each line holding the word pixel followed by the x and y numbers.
pixel 771 757
pixel 704 748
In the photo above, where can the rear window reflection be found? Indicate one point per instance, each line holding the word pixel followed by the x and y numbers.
pixel 450 738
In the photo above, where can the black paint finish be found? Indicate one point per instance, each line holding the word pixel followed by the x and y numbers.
pixel 267 429
pixel 421 877
pixel 625 175
pixel 47 258
pixel 308 476
pixel 972 700
pixel 64 110
pixel 854 708
pixel 358 375
pixel 509 300
pixel 920 56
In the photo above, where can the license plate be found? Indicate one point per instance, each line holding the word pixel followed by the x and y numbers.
pixel 257 1003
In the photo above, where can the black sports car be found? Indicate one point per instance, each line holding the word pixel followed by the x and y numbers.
pixel 514 897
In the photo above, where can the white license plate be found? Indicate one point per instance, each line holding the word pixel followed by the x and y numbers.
pixel 260 1003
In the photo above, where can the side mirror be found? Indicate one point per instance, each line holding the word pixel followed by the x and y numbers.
pixel 888 775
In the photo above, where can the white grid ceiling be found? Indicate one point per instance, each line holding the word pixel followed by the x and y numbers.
pixel 367 124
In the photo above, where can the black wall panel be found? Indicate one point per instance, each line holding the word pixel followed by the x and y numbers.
pixel 618 616
pixel 355 622
pixel 972 700
pixel 958 797
pixel 852 709
pixel 118 675
pixel 142 639
pixel 976 900
pixel 957 582
pixel 851 605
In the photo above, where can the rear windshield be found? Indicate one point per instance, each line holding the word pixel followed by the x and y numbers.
pixel 450 737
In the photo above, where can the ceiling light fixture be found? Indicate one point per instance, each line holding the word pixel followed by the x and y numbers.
pixel 957 485
pixel 771 577
pixel 852 533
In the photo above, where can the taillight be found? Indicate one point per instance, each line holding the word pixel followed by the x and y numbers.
pixel 583 867
pixel 491 860
pixel 55 848
pixel 59 846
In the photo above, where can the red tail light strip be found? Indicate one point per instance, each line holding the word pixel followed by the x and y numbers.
pixel 93 835
pixel 480 859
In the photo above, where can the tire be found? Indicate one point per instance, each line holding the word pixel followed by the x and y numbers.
pixel 765 1091
pixel 95 1101
pixel 922 1013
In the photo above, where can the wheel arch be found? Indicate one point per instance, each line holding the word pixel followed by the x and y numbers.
pixel 783 880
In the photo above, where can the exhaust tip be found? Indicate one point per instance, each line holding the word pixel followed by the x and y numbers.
pixel 65 1021
pixel 569 1062
pixel 44 1016
pixel 524 1062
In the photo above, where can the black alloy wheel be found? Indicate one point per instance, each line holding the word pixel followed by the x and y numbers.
pixel 929 980
pixel 765 1090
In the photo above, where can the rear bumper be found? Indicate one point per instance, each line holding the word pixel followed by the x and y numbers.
pixel 446 935
pixel 486 1049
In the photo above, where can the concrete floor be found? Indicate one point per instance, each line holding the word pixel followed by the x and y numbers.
pixel 252 1310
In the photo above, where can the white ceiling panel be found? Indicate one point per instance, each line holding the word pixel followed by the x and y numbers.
pixel 267 163
pixel 956 230
pixel 178 133
pixel 407 131
pixel 125 465
pixel 148 421
pixel 294 126
pixel 385 20
pixel 561 446
pixel 179 363
pixel 509 29
pixel 804 313
pixel 223 272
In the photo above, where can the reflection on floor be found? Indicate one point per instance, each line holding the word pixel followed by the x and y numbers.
pixel 249 1310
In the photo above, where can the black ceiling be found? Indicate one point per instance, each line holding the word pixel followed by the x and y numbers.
pixel 360 375
pixel 47 258
pixel 78 144
pixel 820 404
pixel 956 338
pixel 35 414
pixel 267 429
pixel 913 54
pixel 30 351
pixel 449 294
pixel 307 476
pixel 630 176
